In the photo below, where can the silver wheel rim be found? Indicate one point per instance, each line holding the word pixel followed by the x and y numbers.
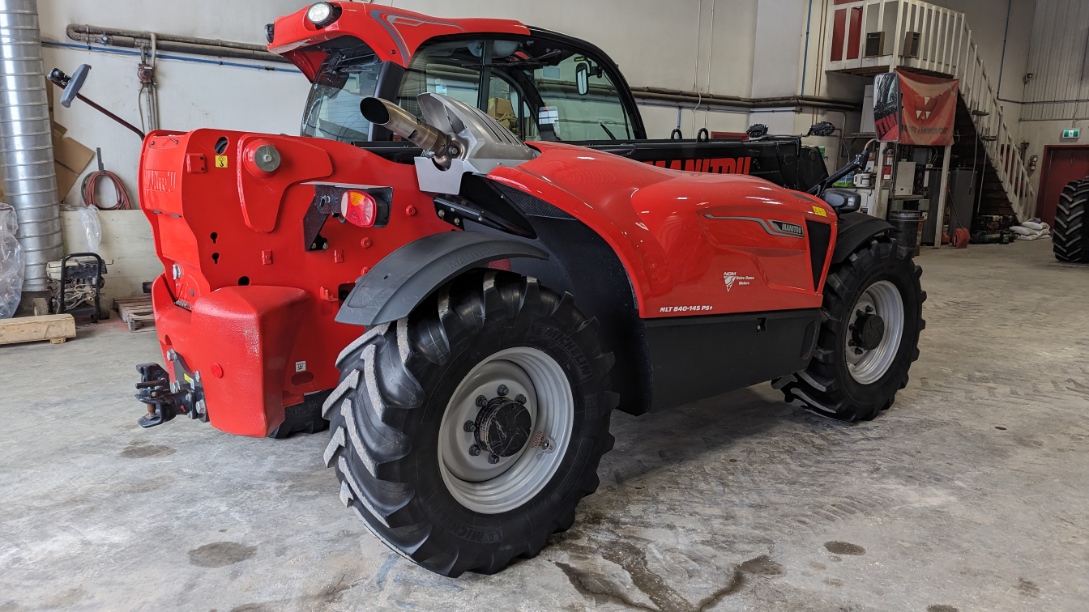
pixel 490 488
pixel 884 299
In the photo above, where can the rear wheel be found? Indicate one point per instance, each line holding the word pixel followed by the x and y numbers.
pixel 466 434
pixel 873 316
pixel 1070 239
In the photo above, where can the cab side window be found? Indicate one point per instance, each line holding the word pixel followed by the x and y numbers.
pixel 446 68
pixel 507 106
pixel 537 88
pixel 580 102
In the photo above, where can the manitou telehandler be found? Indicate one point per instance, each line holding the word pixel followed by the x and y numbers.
pixel 492 290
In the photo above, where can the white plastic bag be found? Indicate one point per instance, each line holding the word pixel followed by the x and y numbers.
pixel 92 229
pixel 11 263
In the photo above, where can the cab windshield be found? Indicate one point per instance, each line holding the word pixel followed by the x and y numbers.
pixel 332 110
pixel 538 88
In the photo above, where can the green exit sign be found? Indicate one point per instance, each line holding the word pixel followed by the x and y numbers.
pixel 1071 134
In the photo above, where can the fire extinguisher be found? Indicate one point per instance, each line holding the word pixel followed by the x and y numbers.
pixel 886 165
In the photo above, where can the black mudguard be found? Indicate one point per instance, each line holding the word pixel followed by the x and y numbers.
pixel 398 283
pixel 854 230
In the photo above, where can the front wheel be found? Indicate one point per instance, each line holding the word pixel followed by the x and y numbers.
pixel 467 433
pixel 873 312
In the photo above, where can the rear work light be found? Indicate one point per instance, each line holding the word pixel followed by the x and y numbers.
pixel 359 208
pixel 322 14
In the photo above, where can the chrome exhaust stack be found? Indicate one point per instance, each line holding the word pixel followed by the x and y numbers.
pixel 441 146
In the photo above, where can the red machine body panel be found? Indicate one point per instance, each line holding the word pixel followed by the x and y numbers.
pixel 244 297
pixel 393 34
pixel 683 236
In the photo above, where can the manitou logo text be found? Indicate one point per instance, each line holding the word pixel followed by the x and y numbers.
pixel 733 280
pixel 789 228
pixel 160 180
pixel 723 165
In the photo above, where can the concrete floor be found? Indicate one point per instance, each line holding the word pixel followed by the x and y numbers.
pixel 972 493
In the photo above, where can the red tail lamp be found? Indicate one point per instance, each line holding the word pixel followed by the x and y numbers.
pixel 359 208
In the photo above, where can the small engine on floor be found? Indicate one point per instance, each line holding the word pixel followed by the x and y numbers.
pixel 75 283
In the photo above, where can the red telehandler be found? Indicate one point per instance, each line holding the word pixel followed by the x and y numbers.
pixel 494 291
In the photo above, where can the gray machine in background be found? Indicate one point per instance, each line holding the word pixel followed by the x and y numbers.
pixel 961 203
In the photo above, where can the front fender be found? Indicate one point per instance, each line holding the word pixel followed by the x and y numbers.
pixel 400 282
pixel 854 230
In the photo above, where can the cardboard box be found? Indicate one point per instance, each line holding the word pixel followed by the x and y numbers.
pixel 71 158
pixel 502 111
pixel 66 179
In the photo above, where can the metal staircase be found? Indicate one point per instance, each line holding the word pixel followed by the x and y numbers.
pixel 873 36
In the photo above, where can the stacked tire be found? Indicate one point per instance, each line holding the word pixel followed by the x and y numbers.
pixel 1071 231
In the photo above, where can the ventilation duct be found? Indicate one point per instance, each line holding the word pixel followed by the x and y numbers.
pixel 26 146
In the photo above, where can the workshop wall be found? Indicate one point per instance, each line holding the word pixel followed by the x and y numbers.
pixel 191 94
pixel 678 46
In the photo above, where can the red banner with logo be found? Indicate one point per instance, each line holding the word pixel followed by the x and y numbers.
pixel 930 109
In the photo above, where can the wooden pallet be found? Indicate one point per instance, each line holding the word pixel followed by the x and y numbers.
pixel 54 328
pixel 136 312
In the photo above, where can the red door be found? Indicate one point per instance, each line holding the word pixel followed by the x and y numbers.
pixel 840 29
pixel 1061 164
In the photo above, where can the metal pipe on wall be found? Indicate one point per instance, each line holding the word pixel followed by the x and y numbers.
pixel 113 37
pixel 26 145
pixel 719 101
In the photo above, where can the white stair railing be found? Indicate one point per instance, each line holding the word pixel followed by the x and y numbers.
pixel 929 38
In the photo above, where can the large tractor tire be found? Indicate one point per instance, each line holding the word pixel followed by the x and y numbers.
pixel 466 434
pixel 873 313
pixel 1070 239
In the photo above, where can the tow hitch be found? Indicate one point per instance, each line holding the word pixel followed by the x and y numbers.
pixel 165 399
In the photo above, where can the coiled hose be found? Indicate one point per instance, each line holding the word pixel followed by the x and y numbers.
pixel 90 185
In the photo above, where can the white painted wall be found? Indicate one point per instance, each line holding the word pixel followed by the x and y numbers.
pixel 191 95
pixel 988 23
pixel 675 45
pixel 127 247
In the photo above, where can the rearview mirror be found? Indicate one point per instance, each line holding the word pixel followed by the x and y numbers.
pixel 887 106
pixel 582 78
pixel 843 200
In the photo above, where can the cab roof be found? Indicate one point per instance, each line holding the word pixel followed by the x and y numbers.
pixel 393 34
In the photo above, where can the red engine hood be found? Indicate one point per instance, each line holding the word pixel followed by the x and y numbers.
pixel 678 233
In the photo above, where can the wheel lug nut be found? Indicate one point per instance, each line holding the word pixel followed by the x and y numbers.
pixel 859 351
pixel 481 401
pixel 494 459
pixel 470 426
pixel 474 450
pixel 869 309
pixel 521 399
pixel 502 390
